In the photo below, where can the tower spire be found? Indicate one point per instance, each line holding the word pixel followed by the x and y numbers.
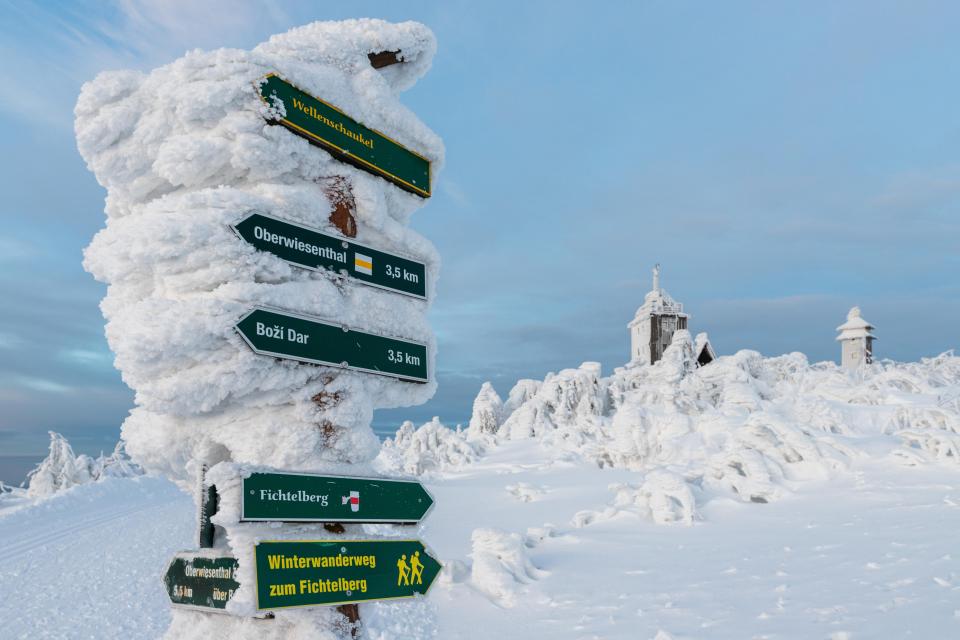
pixel 656 277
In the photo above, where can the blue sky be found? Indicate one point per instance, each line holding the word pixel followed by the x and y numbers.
pixel 783 162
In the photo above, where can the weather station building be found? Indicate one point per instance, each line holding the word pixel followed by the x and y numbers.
pixel 653 326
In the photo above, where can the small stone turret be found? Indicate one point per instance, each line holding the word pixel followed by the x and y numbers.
pixel 856 341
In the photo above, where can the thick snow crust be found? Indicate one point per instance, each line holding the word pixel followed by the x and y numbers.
pixel 184 151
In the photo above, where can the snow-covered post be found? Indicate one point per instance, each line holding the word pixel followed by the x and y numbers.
pixel 188 153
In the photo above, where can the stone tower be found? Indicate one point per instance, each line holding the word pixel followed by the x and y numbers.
pixel 856 341
pixel 651 330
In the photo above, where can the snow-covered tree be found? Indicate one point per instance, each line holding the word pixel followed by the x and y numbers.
pixel 487 413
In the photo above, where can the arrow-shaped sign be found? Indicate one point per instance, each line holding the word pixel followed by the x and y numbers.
pixel 308 248
pixel 201 580
pixel 346 139
pixel 327 572
pixel 302 497
pixel 286 335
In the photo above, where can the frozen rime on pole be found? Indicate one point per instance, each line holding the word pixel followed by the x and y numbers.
pixel 164 144
pixel 185 151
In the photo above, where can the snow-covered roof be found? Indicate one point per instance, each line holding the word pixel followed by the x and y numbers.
pixel 657 302
pixel 855 326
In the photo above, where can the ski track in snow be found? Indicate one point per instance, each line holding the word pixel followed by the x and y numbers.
pixel 869 554
pixel 88 563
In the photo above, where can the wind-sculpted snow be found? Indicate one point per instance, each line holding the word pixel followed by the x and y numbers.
pixel 500 565
pixel 744 426
pixel 432 447
pixel 164 144
pixel 185 151
pixel 487 412
pixel 63 469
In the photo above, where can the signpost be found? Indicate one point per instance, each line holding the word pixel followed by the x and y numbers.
pixel 198 580
pixel 345 138
pixel 301 497
pixel 327 572
pixel 308 248
pixel 285 335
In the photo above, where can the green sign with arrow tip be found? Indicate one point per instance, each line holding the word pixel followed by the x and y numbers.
pixel 286 335
pixel 308 248
pixel 303 573
pixel 198 580
pixel 346 139
pixel 302 497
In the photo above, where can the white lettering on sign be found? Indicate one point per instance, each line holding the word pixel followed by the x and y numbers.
pixel 293 496
pixel 282 333
pixel 299 245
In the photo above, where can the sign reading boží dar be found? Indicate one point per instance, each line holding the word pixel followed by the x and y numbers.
pixel 323 572
pixel 345 138
pixel 285 335
pixel 203 580
pixel 301 497
pixel 311 249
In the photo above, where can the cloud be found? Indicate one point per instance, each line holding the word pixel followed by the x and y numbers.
pixel 80 39
pixel 42 385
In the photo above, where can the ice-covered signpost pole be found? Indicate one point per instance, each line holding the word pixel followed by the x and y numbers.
pixel 269 351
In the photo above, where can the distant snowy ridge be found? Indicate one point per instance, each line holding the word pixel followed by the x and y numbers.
pixel 743 426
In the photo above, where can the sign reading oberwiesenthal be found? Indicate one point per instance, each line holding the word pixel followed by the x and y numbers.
pixel 286 335
pixel 302 497
pixel 345 138
pixel 311 249
pixel 201 580
pixel 324 572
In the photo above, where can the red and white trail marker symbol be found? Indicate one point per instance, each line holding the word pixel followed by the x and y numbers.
pixel 353 499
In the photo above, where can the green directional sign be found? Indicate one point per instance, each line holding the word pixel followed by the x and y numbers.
pixel 308 248
pixel 326 572
pixel 301 497
pixel 346 139
pixel 201 580
pixel 285 335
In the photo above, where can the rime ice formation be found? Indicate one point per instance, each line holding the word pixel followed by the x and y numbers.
pixel 856 341
pixel 164 144
pixel 62 469
pixel 432 447
pixel 746 426
pixel 487 412
pixel 184 152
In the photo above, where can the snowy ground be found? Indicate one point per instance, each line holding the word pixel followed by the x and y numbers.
pixel 871 553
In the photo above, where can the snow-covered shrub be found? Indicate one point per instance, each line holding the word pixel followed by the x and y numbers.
pixel 500 565
pixel 432 447
pixel 62 468
pixel 662 497
pixel 487 413
pixel 746 426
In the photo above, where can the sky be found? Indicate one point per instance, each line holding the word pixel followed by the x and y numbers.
pixel 783 162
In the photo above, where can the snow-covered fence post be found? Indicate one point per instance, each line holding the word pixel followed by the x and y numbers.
pixel 268 351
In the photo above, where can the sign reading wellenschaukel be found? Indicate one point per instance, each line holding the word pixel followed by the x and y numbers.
pixel 345 138
pixel 198 580
pixel 311 249
pixel 326 572
pixel 295 337
pixel 301 497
